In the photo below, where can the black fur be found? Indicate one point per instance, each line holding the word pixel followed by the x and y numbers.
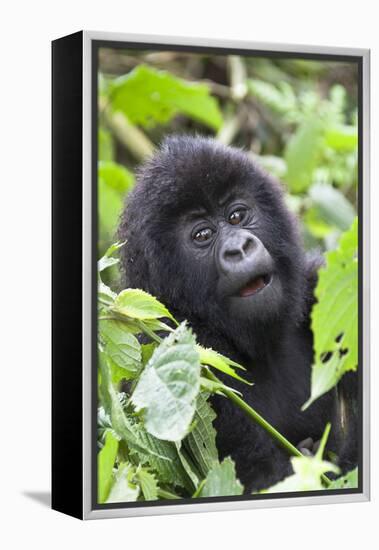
pixel 274 341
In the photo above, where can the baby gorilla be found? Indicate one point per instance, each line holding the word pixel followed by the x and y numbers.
pixel 209 235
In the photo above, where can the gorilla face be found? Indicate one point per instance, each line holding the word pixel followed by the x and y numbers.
pixel 246 281
pixel 208 233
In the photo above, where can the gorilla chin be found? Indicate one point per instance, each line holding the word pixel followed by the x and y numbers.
pixel 259 299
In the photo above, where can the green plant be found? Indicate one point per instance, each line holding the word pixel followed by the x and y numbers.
pixel 156 437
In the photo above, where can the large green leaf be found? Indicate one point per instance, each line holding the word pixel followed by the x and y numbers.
pixel 148 96
pixel 221 481
pixel 167 388
pixel 122 348
pixel 335 316
pixel 138 304
pixel 302 153
pixel 105 460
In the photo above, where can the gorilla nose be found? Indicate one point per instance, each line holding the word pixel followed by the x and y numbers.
pixel 238 248
pixel 243 256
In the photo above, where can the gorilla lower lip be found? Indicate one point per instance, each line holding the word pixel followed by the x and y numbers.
pixel 255 285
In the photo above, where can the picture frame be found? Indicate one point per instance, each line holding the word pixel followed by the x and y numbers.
pixel 75 93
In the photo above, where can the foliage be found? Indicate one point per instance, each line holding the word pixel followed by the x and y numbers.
pixel 335 316
pixel 298 119
pixel 147 97
pixel 156 436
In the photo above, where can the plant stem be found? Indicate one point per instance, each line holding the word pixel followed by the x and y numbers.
pixel 167 495
pixel 149 332
pixel 258 419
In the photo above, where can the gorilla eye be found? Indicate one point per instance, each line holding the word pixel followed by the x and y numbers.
pixel 237 217
pixel 202 235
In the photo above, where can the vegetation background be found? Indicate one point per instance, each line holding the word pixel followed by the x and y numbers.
pixel 298 119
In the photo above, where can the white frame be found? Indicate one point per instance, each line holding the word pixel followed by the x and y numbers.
pixel 88 512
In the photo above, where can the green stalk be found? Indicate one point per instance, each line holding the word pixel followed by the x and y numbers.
pixel 167 495
pixel 258 419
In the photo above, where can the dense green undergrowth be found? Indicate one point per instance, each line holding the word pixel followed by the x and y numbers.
pixel 156 436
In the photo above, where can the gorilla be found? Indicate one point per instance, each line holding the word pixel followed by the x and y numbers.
pixel 208 233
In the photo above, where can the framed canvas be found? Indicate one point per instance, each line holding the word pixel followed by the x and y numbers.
pixel 210 275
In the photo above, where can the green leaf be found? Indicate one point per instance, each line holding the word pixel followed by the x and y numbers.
pixel 147 351
pixel 110 205
pixel 221 481
pixel 315 224
pixel 307 476
pixel 307 471
pixel 332 206
pixel 188 464
pixel 105 145
pixel 201 441
pixel 116 176
pixel 347 481
pixel 335 316
pixel 148 96
pixel 302 153
pixel 147 483
pixel 168 386
pixel 214 359
pixel 110 400
pixel 342 137
pixel 162 457
pixel 124 488
pixel 122 348
pixel 105 460
pixel 107 260
pixel 105 293
pixel 138 304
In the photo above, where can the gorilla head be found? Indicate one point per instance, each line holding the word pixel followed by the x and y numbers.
pixel 209 235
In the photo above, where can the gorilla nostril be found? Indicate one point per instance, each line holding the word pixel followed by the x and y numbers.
pixel 233 254
pixel 248 246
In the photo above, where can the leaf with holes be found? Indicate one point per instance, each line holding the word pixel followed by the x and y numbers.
pixel 335 316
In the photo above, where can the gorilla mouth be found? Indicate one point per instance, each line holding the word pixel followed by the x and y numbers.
pixel 255 285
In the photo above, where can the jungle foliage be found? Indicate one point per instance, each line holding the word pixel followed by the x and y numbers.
pixel 298 119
